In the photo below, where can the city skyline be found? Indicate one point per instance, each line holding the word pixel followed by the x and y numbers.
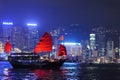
pixel 60 39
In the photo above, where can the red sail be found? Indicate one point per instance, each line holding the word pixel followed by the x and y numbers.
pixel 8 47
pixel 45 44
pixel 62 50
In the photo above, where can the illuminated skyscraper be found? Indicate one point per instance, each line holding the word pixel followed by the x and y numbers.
pixel 110 49
pixel 100 39
pixel 92 44
pixel 73 49
pixel 7 31
pixel 19 37
pixel 55 33
pixel 33 36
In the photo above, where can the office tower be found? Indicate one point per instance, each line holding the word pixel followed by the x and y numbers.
pixel 100 39
pixel 110 49
pixel 92 44
pixel 7 28
pixel 73 49
pixel 115 37
pixel 85 48
pixel 19 37
pixel 55 34
pixel 32 36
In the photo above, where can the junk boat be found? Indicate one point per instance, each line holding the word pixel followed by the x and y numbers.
pixel 40 58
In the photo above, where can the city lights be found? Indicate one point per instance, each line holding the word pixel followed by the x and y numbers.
pixel 71 43
pixel 7 23
pixel 31 24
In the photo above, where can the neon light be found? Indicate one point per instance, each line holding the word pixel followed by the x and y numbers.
pixel 92 35
pixel 31 24
pixel 67 43
pixel 7 23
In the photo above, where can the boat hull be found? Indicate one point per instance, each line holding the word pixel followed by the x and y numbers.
pixel 35 65
pixel 29 60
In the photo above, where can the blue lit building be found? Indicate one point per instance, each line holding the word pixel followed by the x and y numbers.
pixel 100 40
pixel 55 33
pixel 73 48
pixel 19 37
pixel 33 36
pixel 7 28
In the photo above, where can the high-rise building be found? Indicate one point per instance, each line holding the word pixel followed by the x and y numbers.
pixel 7 28
pixel 19 37
pixel 32 36
pixel 55 34
pixel 100 39
pixel 92 42
pixel 73 49
pixel 110 49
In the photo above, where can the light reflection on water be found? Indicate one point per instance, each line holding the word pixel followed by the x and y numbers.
pixel 69 71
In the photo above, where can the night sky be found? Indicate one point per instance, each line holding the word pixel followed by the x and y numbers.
pixel 87 13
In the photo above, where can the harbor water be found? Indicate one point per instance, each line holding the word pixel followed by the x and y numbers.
pixel 69 71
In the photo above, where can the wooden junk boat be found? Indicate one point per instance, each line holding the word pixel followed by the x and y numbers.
pixel 37 59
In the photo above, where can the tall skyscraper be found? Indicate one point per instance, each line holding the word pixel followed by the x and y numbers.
pixel 100 39
pixel 92 44
pixel 19 37
pixel 33 36
pixel 7 28
pixel 55 34
pixel 110 49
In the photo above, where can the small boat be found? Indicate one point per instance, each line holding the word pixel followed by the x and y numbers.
pixel 40 58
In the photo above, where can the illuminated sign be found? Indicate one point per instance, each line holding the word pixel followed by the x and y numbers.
pixel 30 24
pixel 71 43
pixel 7 23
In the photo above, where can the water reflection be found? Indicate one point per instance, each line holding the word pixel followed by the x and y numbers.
pixel 49 74
pixel 100 73
pixel 72 71
pixel 69 71
pixel 20 74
